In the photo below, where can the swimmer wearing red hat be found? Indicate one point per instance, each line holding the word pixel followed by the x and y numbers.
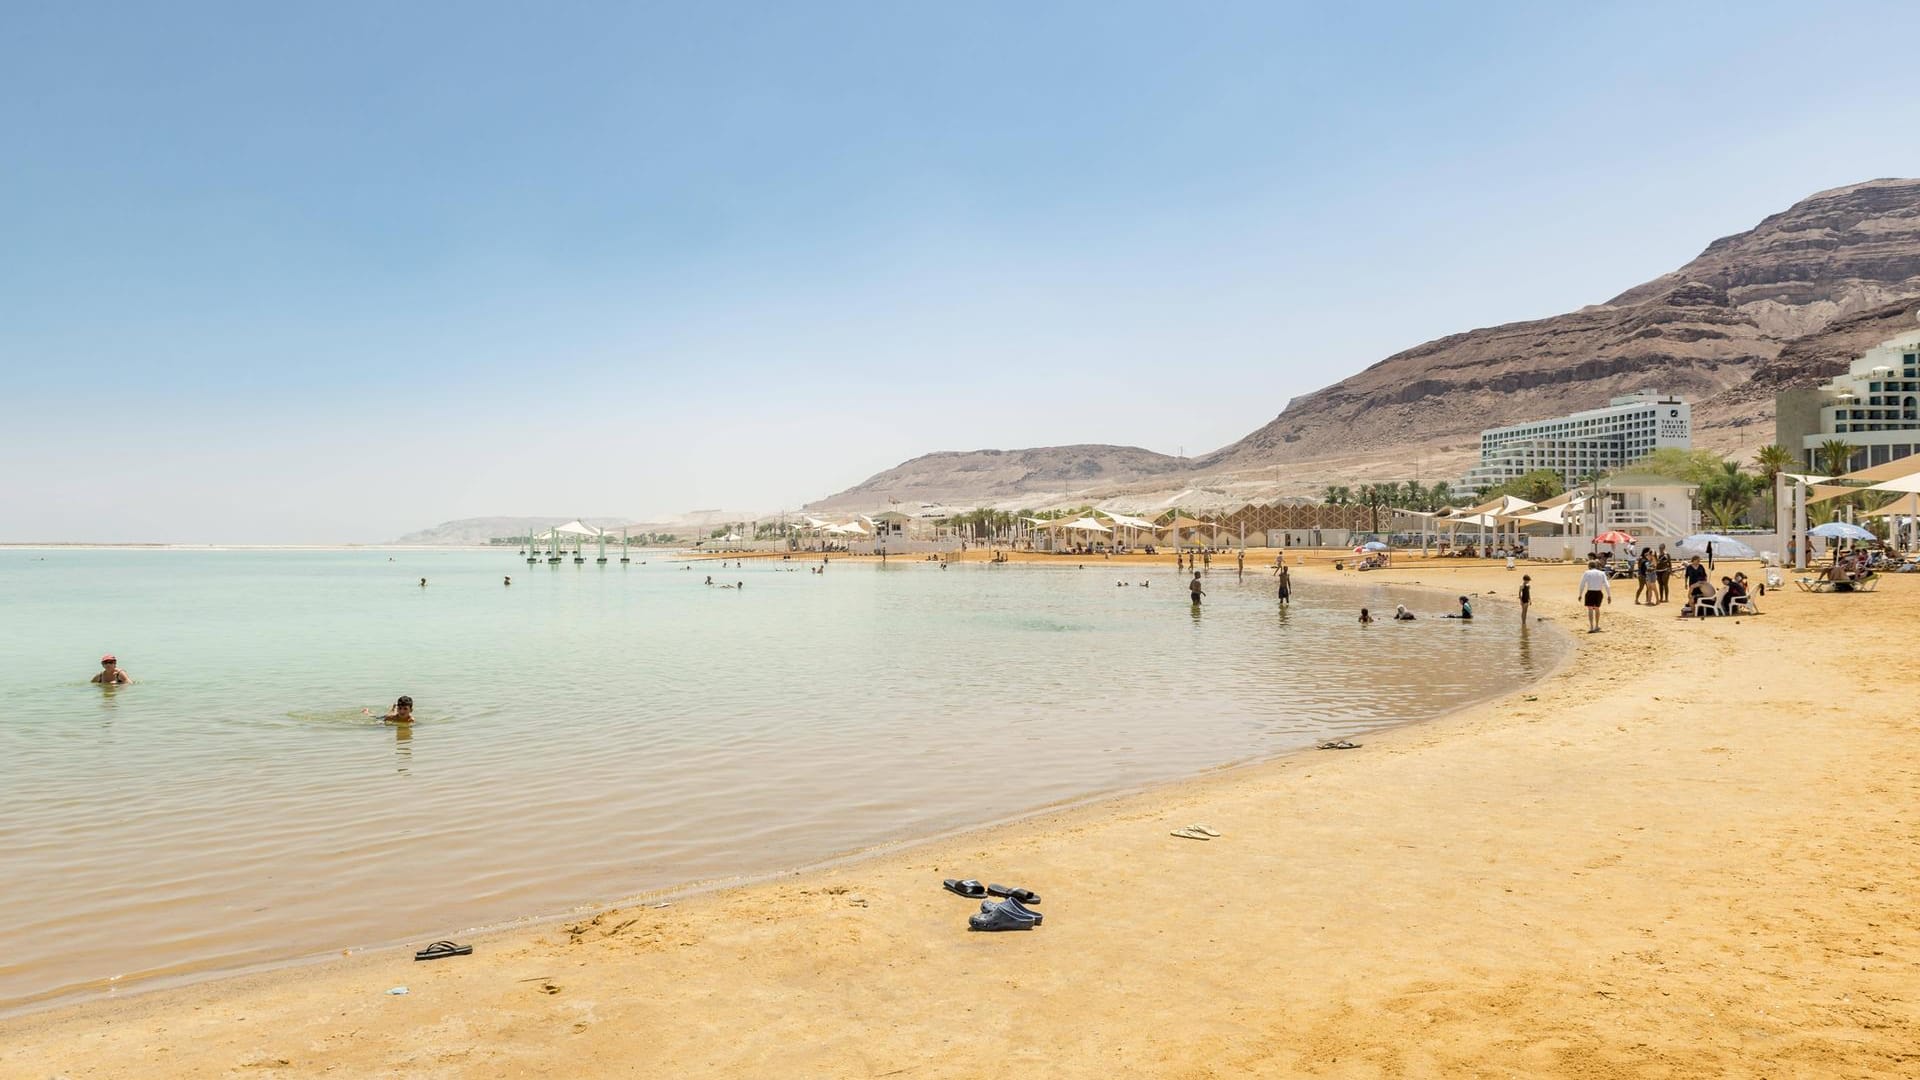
pixel 110 673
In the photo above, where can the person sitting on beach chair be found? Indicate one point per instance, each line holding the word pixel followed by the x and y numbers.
pixel 1701 600
pixel 1736 598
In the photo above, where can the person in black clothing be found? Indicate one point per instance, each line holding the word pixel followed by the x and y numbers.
pixel 1696 573
pixel 1526 596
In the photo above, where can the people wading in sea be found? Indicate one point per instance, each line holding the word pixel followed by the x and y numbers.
pixel 1193 587
pixel 1286 583
pixel 110 673
pixel 401 713
pixel 1526 596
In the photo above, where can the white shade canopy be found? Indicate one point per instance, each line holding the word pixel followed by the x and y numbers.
pixel 1086 524
pixel 577 528
pixel 1126 521
pixel 1905 484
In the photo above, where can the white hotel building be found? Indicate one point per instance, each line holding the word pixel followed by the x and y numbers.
pixel 1874 405
pixel 1585 443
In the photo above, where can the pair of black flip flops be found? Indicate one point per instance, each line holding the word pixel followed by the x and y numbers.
pixel 1012 913
pixel 443 948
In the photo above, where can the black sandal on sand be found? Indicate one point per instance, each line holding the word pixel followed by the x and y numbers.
pixel 1025 896
pixel 968 888
pixel 443 948
pixel 1340 744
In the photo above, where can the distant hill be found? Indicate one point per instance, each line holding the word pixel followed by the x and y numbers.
pixel 977 476
pixel 482 529
pixel 1785 303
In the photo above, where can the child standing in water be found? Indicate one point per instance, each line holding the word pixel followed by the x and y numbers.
pixel 1526 596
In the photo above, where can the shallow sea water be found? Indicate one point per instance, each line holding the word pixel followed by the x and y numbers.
pixel 593 732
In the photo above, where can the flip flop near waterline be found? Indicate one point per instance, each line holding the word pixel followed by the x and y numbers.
pixel 1206 831
pixel 968 887
pixel 443 948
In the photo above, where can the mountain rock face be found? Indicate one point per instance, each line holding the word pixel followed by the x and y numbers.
pixel 986 476
pixel 1784 304
pixel 1700 331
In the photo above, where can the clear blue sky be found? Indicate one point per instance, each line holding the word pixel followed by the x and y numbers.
pixel 335 272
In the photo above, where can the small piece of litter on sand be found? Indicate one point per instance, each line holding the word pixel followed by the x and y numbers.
pixel 1339 744
pixel 1190 834
pixel 398 990
pixel 1206 831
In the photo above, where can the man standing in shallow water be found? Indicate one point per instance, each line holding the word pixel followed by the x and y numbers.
pixel 110 673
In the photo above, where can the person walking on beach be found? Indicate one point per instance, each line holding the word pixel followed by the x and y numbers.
pixel 1662 570
pixel 1526 596
pixel 1193 587
pixel 110 673
pixel 1286 585
pixel 1593 586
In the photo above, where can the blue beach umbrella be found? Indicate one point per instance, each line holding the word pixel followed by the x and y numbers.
pixel 1840 530
pixel 1725 547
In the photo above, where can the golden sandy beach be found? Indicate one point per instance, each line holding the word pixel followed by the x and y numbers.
pixel 1691 852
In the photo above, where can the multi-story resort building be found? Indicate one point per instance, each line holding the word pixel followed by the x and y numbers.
pixel 1584 444
pixel 1874 404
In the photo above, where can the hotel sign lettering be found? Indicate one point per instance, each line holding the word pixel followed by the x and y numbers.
pixel 1673 425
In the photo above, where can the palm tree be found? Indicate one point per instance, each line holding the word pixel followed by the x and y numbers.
pixel 1728 493
pixel 1336 495
pixel 1836 456
pixel 1371 496
pixel 1439 495
pixel 1772 460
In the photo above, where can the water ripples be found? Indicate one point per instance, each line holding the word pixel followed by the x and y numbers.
pixel 597 732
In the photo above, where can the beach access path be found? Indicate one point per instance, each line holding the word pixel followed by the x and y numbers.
pixel 1691 852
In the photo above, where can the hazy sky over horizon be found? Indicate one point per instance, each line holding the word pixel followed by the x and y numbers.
pixel 336 273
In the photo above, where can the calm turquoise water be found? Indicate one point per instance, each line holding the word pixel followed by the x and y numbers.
pixel 593 732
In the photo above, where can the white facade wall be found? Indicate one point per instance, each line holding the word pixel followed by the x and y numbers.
pixel 1585 443
pixel 1875 406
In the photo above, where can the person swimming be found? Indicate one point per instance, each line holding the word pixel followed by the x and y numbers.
pixel 110 673
pixel 1365 616
pixel 1401 614
pixel 509 580
pixel 401 713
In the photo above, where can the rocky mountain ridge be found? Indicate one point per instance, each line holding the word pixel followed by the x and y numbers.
pixel 1782 304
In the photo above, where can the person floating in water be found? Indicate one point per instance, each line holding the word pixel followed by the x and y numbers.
pixel 1193 587
pixel 401 713
pixel 1466 610
pixel 509 580
pixel 1401 614
pixel 423 583
pixel 110 673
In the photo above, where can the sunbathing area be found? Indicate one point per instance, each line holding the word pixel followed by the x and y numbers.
pixel 1622 870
